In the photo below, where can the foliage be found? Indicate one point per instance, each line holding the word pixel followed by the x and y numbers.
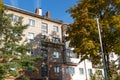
pixel 22 78
pixel 83 32
pixel 13 51
pixel 0 6
pixel 97 76
pixel 2 72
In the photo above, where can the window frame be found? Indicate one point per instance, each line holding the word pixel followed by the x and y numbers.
pixel 90 71
pixel 70 70
pixel 70 54
pixel 55 29
pixel 44 27
pixel 29 35
pixel 56 69
pixel 81 71
pixel 15 18
pixel 32 22
pixel 56 54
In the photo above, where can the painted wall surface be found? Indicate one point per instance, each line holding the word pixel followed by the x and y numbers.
pixel 85 65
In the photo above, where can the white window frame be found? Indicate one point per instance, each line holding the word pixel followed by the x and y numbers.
pixel 15 18
pixel 56 69
pixel 81 71
pixel 56 54
pixel 44 27
pixel 55 29
pixel 32 22
pixel 30 35
pixel 90 71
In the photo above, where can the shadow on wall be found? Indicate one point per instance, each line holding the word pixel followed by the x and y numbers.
pixel 44 46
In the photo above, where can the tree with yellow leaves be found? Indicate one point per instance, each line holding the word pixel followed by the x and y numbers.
pixel 0 6
pixel 83 32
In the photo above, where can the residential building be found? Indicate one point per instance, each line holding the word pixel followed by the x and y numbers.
pixel 44 37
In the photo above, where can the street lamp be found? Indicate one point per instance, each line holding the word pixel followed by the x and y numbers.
pixel 103 58
pixel 101 46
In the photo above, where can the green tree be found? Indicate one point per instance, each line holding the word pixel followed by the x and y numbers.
pixel 83 33
pixel 13 58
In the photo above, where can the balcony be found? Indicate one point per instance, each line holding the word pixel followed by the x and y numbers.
pixel 72 61
pixel 53 41
pixel 71 57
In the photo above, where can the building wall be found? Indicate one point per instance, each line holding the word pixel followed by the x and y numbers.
pixel 38 21
pixel 77 75
pixel 36 42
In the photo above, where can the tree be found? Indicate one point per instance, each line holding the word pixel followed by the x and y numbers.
pixel 83 33
pixel 13 58
pixel 0 6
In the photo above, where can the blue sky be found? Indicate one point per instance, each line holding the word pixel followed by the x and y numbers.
pixel 57 8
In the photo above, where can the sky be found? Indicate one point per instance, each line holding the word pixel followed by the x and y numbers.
pixel 57 8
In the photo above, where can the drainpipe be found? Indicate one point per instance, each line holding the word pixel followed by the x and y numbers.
pixel 85 70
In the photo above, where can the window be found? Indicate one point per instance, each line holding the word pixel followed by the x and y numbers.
pixel 44 70
pixel 31 22
pixel 30 35
pixel 44 54
pixel 70 54
pixel 55 28
pixel 112 55
pixel 56 54
pixel 44 37
pixel 90 71
pixel 44 27
pixel 56 40
pixel 56 69
pixel 70 70
pixel 81 71
pixel 31 52
pixel 15 18
pixel 44 51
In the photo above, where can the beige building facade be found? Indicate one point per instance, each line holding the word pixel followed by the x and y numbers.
pixel 44 37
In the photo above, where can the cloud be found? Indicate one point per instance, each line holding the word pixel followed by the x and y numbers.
pixel 14 3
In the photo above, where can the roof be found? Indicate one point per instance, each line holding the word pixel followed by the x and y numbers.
pixel 32 14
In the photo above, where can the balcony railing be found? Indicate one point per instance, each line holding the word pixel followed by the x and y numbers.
pixel 50 41
pixel 72 61
pixel 54 40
